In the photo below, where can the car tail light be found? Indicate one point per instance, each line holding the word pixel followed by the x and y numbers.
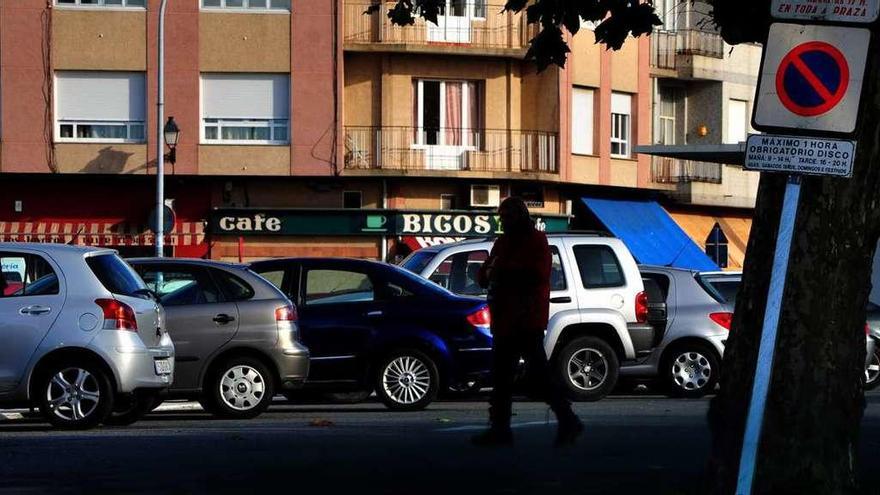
pixel 723 319
pixel 641 307
pixel 480 317
pixel 117 315
pixel 286 313
pixel 867 329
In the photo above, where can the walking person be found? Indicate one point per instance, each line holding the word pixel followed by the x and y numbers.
pixel 517 275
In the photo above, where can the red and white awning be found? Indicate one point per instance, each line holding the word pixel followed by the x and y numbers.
pixel 110 234
pixel 418 242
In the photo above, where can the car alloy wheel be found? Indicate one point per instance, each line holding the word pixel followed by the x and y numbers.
pixel 242 387
pixel 872 371
pixel 73 395
pixel 691 371
pixel 587 369
pixel 406 380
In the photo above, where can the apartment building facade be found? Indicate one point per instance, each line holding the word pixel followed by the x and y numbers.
pixel 312 130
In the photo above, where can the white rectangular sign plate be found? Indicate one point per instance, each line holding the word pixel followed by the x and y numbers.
pixel 856 11
pixel 811 78
pixel 800 155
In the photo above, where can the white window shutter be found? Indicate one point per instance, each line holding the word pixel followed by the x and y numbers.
pixel 621 103
pixel 737 116
pixel 582 121
pixel 245 96
pixel 101 96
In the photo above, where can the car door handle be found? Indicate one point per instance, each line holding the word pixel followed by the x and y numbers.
pixel 36 309
pixel 223 319
pixel 374 314
pixel 560 300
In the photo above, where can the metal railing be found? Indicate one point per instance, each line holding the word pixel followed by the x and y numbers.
pixel 485 150
pixel 475 24
pixel 675 171
pixel 665 45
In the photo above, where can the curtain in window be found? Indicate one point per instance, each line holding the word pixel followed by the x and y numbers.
pixel 474 124
pixel 415 111
pixel 453 122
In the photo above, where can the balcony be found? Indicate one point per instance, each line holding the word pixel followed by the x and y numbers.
pixel 469 28
pixel 406 149
pixel 667 45
pixel 675 171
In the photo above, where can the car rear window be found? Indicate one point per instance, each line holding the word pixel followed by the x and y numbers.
pixel 724 289
pixel 417 261
pixel 233 287
pixel 115 275
pixel 598 266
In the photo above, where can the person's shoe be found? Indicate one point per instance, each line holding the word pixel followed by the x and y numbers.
pixel 493 437
pixel 568 431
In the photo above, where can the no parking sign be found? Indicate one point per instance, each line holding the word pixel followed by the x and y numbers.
pixel 811 78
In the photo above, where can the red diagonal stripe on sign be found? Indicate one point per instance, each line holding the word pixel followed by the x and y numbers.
pixel 811 78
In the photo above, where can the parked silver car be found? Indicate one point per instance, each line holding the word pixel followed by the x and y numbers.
pixel 236 334
pixel 699 310
pixel 82 339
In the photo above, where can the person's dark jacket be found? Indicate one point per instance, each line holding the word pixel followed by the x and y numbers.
pixel 517 274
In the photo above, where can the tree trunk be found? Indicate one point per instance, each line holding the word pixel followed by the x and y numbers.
pixel 815 404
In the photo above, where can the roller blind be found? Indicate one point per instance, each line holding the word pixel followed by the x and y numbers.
pixel 245 96
pixel 621 103
pixel 113 96
pixel 582 121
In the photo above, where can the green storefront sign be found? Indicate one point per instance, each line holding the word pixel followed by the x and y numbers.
pixel 253 221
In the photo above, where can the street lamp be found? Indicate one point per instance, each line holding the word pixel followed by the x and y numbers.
pixel 159 228
pixel 172 134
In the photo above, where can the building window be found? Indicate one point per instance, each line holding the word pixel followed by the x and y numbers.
pixel 447 202
pixel 446 113
pixel 103 3
pixel 716 246
pixel 667 11
pixel 245 108
pixel 352 199
pixel 737 121
pixel 667 99
pixel 107 107
pixel 582 121
pixel 247 4
pixel 621 105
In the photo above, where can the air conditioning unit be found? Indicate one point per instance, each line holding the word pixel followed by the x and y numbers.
pixel 485 196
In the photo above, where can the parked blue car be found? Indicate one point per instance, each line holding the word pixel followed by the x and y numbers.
pixel 374 326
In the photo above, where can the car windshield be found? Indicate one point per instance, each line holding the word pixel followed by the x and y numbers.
pixel 116 275
pixel 417 261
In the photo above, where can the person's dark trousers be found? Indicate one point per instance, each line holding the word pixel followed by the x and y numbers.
pixel 506 353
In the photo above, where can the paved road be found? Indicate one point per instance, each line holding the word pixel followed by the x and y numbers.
pixel 632 445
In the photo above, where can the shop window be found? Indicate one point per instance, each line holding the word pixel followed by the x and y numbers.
pixel 105 107
pixel 247 4
pixel 24 275
pixel 246 109
pixel 352 199
pixel 716 246
pixel 102 3
pixel 582 121
pixel 621 120
pixel 448 202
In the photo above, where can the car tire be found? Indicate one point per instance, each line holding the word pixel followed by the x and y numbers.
pixel 407 380
pixel 588 368
pixel 130 408
pixel 240 388
pixel 74 394
pixel 872 371
pixel 690 370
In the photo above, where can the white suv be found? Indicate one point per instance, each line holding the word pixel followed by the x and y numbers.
pixel 598 308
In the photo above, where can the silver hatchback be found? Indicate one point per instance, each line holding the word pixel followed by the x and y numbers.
pixel 81 337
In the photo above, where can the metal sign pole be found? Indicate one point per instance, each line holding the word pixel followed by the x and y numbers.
pixel 764 367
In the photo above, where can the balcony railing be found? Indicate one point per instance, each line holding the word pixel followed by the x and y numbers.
pixel 448 149
pixel 474 24
pixel 665 45
pixel 674 171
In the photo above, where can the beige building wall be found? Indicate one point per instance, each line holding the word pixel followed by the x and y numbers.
pixel 244 160
pixel 99 40
pixel 236 42
pixel 101 158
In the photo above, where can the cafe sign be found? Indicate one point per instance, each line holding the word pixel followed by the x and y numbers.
pixel 255 222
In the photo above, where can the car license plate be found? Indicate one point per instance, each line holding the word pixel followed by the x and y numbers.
pixel 163 366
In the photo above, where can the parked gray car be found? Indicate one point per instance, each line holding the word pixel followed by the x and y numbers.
pixel 236 334
pixel 699 310
pixel 82 338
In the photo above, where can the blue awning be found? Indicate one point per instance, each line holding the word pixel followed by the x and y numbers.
pixel 651 235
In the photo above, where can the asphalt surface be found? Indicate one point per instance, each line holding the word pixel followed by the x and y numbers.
pixel 633 444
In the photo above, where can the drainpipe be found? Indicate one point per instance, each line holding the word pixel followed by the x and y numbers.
pixel 383 255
